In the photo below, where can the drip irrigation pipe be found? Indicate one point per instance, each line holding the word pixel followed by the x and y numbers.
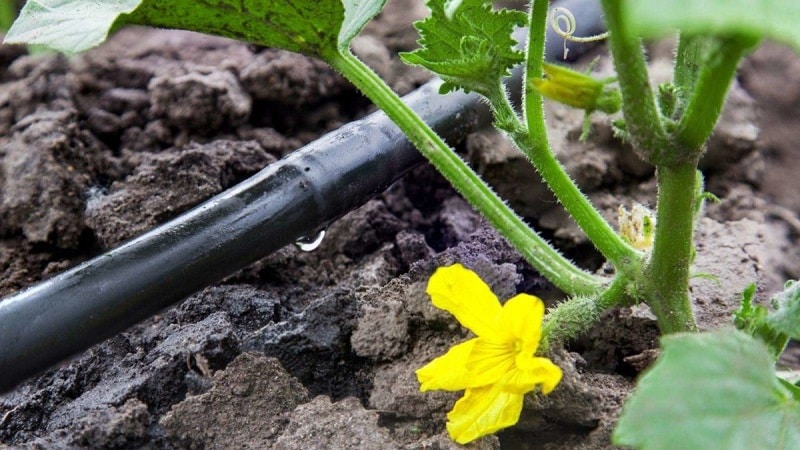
pixel 292 198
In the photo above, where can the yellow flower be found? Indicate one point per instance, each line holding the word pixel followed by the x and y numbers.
pixel 496 368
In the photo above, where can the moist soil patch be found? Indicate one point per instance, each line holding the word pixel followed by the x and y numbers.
pixel 317 350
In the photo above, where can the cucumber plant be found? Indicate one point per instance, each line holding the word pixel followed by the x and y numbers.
pixel 707 390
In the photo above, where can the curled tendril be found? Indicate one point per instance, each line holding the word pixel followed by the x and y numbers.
pixel 564 24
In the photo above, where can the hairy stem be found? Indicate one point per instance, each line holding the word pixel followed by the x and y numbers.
pixel 689 57
pixel 642 120
pixel 536 148
pixel 532 99
pixel 531 138
pixel 574 316
pixel 535 249
pixel 711 89
pixel 667 275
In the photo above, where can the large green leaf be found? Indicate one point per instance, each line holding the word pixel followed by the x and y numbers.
pixel 315 27
pixel 303 26
pixel 714 390
pixel 8 12
pixel 775 19
pixel 67 25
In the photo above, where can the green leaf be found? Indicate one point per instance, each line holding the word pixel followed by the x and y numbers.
pixel 749 315
pixel 67 25
pixel 775 19
pixel 711 390
pixel 786 317
pixel 8 13
pixel 313 27
pixel 357 13
pixel 473 50
pixel 773 327
pixel 450 8
pixel 303 26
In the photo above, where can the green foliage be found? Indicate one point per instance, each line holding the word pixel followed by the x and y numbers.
pixel 67 25
pixel 8 13
pixel 711 390
pixel 776 19
pixel 773 327
pixel 692 53
pixel 667 100
pixel 752 319
pixel 301 26
pixel 357 13
pixel 786 317
pixel 473 50
pixel 316 28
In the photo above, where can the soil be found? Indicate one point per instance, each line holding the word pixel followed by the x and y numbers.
pixel 317 350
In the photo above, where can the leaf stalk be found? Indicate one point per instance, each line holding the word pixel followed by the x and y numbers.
pixel 537 251
pixel 642 120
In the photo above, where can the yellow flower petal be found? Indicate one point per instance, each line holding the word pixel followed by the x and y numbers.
pixel 490 361
pixel 463 294
pixel 483 411
pixel 447 372
pixel 522 317
pixel 530 373
pixel 546 371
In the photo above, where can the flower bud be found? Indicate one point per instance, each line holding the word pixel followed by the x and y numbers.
pixel 577 90
pixel 637 226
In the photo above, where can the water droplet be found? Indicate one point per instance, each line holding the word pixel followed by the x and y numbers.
pixel 310 243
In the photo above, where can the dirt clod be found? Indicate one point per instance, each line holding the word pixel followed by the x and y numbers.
pixel 321 424
pixel 165 184
pixel 247 407
pixel 200 101
pixel 43 191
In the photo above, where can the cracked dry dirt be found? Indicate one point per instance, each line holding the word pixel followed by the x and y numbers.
pixel 317 350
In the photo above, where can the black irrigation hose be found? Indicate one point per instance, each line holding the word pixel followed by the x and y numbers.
pixel 289 199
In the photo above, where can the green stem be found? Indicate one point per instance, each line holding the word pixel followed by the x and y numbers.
pixel 536 148
pixel 533 109
pixel 711 89
pixel 691 52
pixel 667 276
pixel 642 119
pixel 536 250
pixel 532 139
pixel 574 316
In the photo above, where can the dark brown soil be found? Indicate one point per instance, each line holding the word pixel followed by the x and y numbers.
pixel 317 350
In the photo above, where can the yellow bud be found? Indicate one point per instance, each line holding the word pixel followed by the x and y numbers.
pixel 576 89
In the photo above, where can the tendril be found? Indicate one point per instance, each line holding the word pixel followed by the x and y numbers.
pixel 564 24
